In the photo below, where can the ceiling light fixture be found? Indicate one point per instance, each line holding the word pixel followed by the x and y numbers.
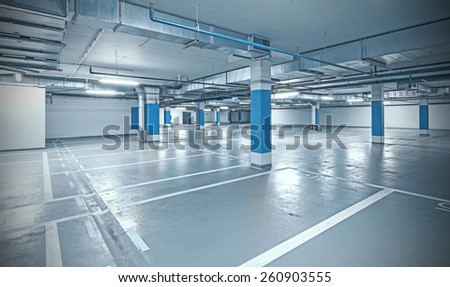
pixel 285 94
pixel 224 108
pixel 104 93
pixel 355 100
pixel 326 98
pixel 119 82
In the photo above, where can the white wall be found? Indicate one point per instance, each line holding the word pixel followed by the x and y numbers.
pixel 439 116
pixel 352 116
pixel 210 117
pixel 22 117
pixel 245 116
pixel 291 117
pixel 78 117
pixel 401 116
pixel 224 117
pixel 405 116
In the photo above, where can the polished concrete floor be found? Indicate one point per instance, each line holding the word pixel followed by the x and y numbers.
pixel 76 204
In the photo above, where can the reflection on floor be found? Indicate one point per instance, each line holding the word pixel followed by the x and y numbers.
pixel 184 203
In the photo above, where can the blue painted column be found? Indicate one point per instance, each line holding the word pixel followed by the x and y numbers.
pixel 167 116
pixel 217 119
pixel 317 114
pixel 152 121
pixel 200 116
pixel 152 113
pixel 378 114
pixel 134 118
pixel 423 116
pixel 260 114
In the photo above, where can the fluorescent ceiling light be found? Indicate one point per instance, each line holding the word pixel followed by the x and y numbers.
pixel 283 82
pixel 180 108
pixel 224 108
pixel 119 82
pixel 104 92
pixel 207 110
pixel 285 94
pixel 355 100
pixel 326 98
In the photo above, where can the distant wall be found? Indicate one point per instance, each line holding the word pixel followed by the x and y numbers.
pixel 291 116
pixel 399 116
pixel 79 117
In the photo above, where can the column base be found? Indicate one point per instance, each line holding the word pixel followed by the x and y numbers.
pixel 199 127
pixel 261 160
pixel 423 132
pixel 378 139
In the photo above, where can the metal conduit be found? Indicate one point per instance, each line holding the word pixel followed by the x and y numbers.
pixel 264 47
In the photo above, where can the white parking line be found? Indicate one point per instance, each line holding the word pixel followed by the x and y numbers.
pixel 143 162
pixel 52 247
pixel 172 178
pixel 422 196
pixel 294 242
pixel 137 240
pixel 79 202
pixel 191 190
pixel 48 192
pixel 374 185
pixel 90 229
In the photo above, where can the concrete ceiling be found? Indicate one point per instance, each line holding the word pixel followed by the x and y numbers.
pixel 323 29
pixel 302 23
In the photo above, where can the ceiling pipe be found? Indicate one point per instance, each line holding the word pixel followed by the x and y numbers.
pixel 380 76
pixel 18 70
pixel 164 80
pixel 409 79
pixel 256 45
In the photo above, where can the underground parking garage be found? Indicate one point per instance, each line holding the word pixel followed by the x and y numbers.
pixel 224 134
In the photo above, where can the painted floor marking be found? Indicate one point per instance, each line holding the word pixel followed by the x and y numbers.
pixel 294 242
pixel 144 162
pixel 422 195
pixel 79 202
pixel 137 240
pixel 56 221
pixel 71 184
pixel 90 229
pixel 48 192
pixel 172 178
pixel 191 190
pixel 52 247
pixel 373 185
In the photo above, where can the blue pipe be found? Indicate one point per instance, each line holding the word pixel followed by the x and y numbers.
pixel 245 42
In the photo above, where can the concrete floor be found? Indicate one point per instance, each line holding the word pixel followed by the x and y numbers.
pixel 76 204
